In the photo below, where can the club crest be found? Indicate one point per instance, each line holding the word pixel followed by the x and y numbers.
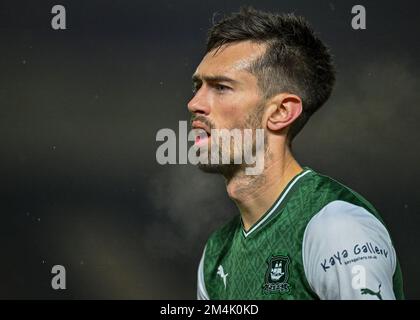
pixel 277 275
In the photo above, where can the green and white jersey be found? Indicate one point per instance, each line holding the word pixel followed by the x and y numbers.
pixel 319 240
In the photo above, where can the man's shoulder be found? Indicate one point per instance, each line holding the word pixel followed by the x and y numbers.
pixel 225 233
pixel 321 189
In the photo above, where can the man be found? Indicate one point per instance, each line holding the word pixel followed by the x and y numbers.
pixel 300 234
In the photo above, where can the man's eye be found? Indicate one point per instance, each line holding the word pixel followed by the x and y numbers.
pixel 221 88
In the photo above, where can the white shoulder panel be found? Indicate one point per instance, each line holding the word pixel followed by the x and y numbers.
pixel 347 254
pixel 201 285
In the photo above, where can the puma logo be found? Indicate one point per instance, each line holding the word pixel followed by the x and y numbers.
pixel 373 293
pixel 222 274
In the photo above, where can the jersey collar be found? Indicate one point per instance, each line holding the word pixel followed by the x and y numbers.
pixel 276 204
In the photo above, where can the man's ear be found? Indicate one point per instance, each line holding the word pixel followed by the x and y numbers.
pixel 282 110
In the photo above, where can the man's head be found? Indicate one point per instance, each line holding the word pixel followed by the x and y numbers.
pixel 262 66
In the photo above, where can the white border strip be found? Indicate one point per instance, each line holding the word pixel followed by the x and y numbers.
pixel 276 205
pixel 202 293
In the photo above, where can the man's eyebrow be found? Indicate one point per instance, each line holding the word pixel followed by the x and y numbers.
pixel 197 78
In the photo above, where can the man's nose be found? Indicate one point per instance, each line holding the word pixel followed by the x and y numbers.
pixel 199 104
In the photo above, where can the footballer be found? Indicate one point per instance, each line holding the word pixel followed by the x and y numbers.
pixel 299 234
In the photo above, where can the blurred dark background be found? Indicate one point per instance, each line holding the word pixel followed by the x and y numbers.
pixel 79 113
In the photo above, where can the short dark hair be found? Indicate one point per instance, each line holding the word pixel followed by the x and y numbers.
pixel 295 59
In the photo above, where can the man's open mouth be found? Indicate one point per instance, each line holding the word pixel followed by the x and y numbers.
pixel 200 139
pixel 204 134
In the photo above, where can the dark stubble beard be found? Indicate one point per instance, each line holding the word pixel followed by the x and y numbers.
pixel 228 170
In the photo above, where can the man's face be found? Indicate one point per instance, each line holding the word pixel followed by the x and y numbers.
pixel 227 95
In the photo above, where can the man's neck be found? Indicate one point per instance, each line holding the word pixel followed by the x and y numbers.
pixel 254 195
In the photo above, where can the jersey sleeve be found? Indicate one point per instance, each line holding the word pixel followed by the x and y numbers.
pixel 201 285
pixel 348 254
